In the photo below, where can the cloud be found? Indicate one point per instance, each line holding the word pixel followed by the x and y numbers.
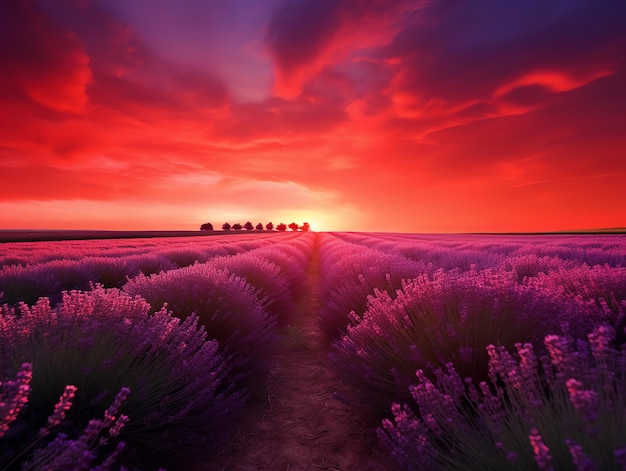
pixel 304 36
pixel 456 55
pixel 81 81
pixel 42 61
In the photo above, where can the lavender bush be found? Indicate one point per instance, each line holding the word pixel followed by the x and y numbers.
pixel 531 265
pixel 292 261
pixel 600 283
pixel 349 281
pixel 271 287
pixel 104 340
pixel 448 319
pixel 185 256
pixel 564 410
pixel 226 306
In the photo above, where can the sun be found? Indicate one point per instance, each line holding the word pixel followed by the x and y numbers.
pixel 320 220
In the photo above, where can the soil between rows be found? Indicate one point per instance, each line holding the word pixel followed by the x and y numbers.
pixel 302 424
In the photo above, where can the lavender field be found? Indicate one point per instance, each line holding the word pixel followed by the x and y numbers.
pixel 463 352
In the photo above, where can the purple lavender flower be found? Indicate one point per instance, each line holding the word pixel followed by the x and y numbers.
pixel 586 403
pixel 14 396
pixel 60 409
pixel 541 451
pixel 579 458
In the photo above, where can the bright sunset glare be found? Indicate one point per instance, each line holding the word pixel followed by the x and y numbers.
pixel 402 116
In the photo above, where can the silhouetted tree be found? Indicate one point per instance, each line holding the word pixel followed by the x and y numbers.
pixel 226 226
pixel 293 226
pixel 237 226
pixel 207 226
pixel 305 227
pixel 248 226
pixel 269 226
pixel 259 227
pixel 281 227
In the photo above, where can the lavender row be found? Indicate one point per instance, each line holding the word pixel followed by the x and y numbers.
pixel 32 253
pixel 191 355
pixel 27 283
pixel 439 324
pixel 351 273
pixel 276 272
pixel 463 251
pixel 528 259
pixel 450 317
pixel 240 300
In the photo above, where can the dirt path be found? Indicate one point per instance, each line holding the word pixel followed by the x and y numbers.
pixel 302 425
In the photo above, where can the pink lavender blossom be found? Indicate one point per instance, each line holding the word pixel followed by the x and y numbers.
pixel 579 458
pixel 14 396
pixel 585 401
pixel 60 409
pixel 600 341
pixel 541 451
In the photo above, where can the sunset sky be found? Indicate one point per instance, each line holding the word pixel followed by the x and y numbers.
pixel 365 115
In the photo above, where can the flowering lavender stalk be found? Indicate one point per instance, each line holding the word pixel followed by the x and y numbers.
pixel 60 409
pixel 541 451
pixel 579 458
pixel 14 396
pixel 586 403
pixel 79 454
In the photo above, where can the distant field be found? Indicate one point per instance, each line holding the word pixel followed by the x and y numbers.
pixel 34 236
pixel 607 230
pixel 43 235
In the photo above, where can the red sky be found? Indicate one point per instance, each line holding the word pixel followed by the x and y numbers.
pixel 414 116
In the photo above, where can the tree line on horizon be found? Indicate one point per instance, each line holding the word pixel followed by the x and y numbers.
pixel 248 226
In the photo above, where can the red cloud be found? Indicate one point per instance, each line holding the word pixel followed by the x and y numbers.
pixel 41 60
pixel 553 80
